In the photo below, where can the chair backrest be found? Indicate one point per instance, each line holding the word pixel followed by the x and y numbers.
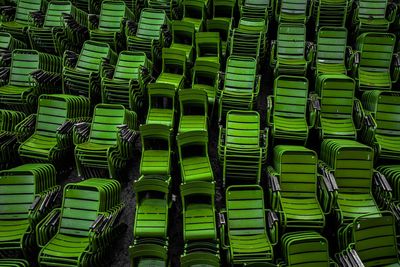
pixel 111 15
pixel 192 144
pixel 52 113
pixel 23 63
pixel 173 61
pixel 155 137
pixel 245 43
pixel 375 240
pixel 291 41
pixel 128 65
pixel 245 210
pixel 193 102
pixel 91 56
pixel 55 9
pixel 161 96
pixel 376 50
pixel 205 72
pixel 297 168
pixel 80 208
pixel 208 44
pixel 372 9
pixel 240 74
pixel 183 32
pixel 331 45
pixel 290 96
pixel 150 23
pixel 106 119
pixel 337 97
pixel 242 129
pixel 24 8
pixel 387 115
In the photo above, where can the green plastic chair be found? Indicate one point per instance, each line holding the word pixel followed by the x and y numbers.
pixel 286 109
pixel 31 74
pixel 7 45
pixel 306 248
pixel 381 124
pixel 206 77
pixel 8 137
pixel 223 27
pixel 241 148
pixel 338 113
pixel 49 131
pixel 208 47
pixel 241 85
pixel 126 84
pixel 244 233
pixel 353 193
pixel 109 27
pixel 107 143
pixel 173 67
pixel 156 142
pixel 330 56
pixel 245 43
pixel 292 11
pixel 373 16
pixel 290 53
pixel 193 156
pixel 27 195
pixel 372 68
pixel 372 241
pixel 193 110
pixel 148 36
pixel 183 39
pixel 292 184
pixel 332 13
pixel 161 104
pixel 194 11
pixel 255 29
pixel 88 224
pixel 261 9
pixel 15 20
pixel 82 73
pixel 52 34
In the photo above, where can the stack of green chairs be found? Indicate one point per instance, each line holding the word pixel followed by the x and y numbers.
pixel 286 109
pixel 194 11
pixel 381 128
pixel 109 142
pixel 330 55
pixel 183 35
pixel 349 166
pixel 127 83
pixel 15 20
pixel 370 242
pixel 331 13
pixel 7 45
pixel 292 11
pixel 306 248
pixel 49 131
pixel 199 223
pixel 193 157
pixel 289 55
pixel 261 9
pixel 193 110
pixel 110 27
pixel 246 43
pixel 27 194
pixel 208 47
pixel 9 145
pixel 53 35
pixel 173 67
pixel 148 255
pixel 82 73
pixel 241 85
pixel 244 232
pixel 373 15
pixel 170 7
pixel 161 104
pixel 14 263
pixel 372 68
pixel 31 74
pixel 338 108
pixel 292 184
pixel 389 199
pixel 156 140
pixel 254 27
pixel 241 149
pixel 206 77
pixel 87 226
pixel 148 36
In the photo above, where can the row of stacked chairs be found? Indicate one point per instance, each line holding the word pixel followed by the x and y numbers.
pixel 84 79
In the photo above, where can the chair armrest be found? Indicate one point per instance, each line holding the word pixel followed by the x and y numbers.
pixel 50 197
pixel 353 257
pixel 80 132
pixel 382 182
pixel 314 109
pixel 5 60
pixel 272 180
pixel 272 59
pixel 26 127
pixel 70 59
pixel 354 61
pixel 391 12
pixel 395 72
pixel 131 28
pixel 273 226
pixel 358 114
pixel 37 18
pixel 310 51
pixel 369 121
pixel 270 106
pixel 126 140
pixel 47 78
pixel 47 227
pixel 348 57
pixel 93 21
pixel 328 178
pixel 222 225
pixel 166 35
pixel 327 188
pixel 5 74
pixel 107 71
pixel 382 190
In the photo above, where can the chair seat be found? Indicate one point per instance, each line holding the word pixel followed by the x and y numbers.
pixel 193 123
pixel 374 79
pixel 199 222
pixel 338 128
pixel 151 218
pixel 89 146
pixel 64 246
pixel 13 230
pixel 155 162
pixel 39 144
pixel 331 68
pixel 197 169
pixel 170 78
pixel 160 116
pixel 188 49
pixel 250 248
pixel 353 205
pixel 9 90
pixel 302 212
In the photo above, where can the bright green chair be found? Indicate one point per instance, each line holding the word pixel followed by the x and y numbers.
pixel 183 39
pixel 331 13
pixel 293 188
pixel 193 110
pixel 206 77
pixel 161 104
pixel 208 47
pixel 194 12
pixel 173 67
pixel 223 27
pixel 286 109
pixel 293 11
